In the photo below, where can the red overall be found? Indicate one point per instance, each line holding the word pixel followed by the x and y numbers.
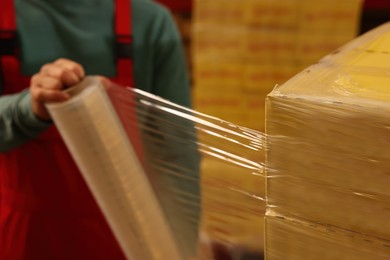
pixel 46 209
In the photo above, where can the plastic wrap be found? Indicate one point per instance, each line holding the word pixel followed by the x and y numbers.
pixel 328 166
pixel 144 160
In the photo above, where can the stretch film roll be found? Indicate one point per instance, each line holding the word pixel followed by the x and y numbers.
pixel 99 144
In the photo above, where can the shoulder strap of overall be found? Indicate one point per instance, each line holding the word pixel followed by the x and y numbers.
pixel 124 42
pixel 7 28
pixel 9 51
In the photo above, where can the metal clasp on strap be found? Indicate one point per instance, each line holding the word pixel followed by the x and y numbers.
pixel 8 42
pixel 124 46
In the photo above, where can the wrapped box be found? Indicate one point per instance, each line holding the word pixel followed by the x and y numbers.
pixel 328 157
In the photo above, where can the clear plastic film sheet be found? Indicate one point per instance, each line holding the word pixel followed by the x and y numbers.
pixel 146 161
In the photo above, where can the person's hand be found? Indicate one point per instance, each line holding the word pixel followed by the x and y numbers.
pixel 48 83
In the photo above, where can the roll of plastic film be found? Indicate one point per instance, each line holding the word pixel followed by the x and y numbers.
pixel 99 145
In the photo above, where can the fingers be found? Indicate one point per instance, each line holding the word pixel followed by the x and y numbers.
pixel 66 71
pixel 46 89
pixel 45 82
pixel 47 85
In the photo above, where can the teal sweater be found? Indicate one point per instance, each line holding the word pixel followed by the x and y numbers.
pixel 83 31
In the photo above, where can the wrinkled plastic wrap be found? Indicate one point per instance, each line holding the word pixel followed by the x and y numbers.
pixel 144 161
pixel 328 162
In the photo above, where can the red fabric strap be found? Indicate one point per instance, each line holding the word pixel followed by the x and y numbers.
pixel 7 15
pixel 9 63
pixel 123 18
pixel 124 33
pixel 7 20
pixel 125 73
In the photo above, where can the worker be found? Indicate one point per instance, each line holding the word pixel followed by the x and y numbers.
pixel 46 209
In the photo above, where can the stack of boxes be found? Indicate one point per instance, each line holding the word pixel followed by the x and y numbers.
pixel 328 162
pixel 240 51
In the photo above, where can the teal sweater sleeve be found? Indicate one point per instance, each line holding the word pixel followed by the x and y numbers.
pixel 17 121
